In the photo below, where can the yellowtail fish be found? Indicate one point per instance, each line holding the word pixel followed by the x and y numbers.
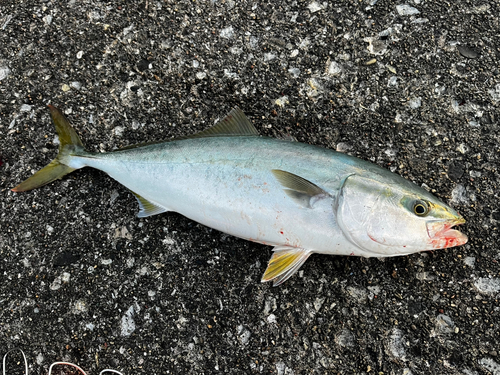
pixel 299 198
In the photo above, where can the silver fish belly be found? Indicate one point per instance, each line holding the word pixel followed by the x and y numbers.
pixel 299 198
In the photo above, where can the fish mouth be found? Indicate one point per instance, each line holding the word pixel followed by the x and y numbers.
pixel 442 235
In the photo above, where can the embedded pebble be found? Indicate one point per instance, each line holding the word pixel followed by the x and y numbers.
pixel 80 306
pixel 122 232
pixel 5 21
pixel 439 89
pixel 376 47
pixel 414 103
pixel 334 68
pixel 282 369
pixel 495 93
pixel 462 148
pixel 444 324
pixel 470 261
pixel 243 334
pixel 282 101
pixel 393 81
pixel 358 294
pixel 4 72
pixel 391 69
pixel 343 147
pixel 230 74
pixel 201 75
pixel 455 171
pixel 490 365
pixel 466 51
pixel 396 344
pixel 487 286
pixel 304 43
pixel 459 195
pixel 47 19
pixel 76 85
pixel 118 131
pixel 269 56
pixel 227 33
pixel 56 284
pixel 127 322
pixel 295 72
pixel 406 10
pixel 314 7
pixel 271 319
pixel 345 338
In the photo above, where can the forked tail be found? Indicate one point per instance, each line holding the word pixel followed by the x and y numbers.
pixel 69 142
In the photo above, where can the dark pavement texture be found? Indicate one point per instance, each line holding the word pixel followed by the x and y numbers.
pixel 413 87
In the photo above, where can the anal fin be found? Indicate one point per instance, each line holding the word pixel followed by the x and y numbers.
pixel 148 208
pixel 284 262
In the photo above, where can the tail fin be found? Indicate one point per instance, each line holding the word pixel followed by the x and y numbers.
pixel 68 143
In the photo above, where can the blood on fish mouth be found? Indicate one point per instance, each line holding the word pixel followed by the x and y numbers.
pixel 442 236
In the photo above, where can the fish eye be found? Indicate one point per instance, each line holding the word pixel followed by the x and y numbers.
pixel 420 208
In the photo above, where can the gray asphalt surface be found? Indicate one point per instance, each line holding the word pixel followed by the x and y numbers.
pixel 413 87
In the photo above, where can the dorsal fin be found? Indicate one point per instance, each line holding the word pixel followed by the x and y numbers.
pixel 234 124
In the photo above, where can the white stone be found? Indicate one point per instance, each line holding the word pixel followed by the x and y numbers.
pixel 227 33
pixel 4 72
pixel 127 322
pixel 334 68
pixel 314 7
pixel 414 103
pixel 487 285
pixel 282 101
pixel 490 365
pixel 406 10
pixel 295 72
pixel 47 19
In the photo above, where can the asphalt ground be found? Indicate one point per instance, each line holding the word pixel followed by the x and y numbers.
pixel 413 87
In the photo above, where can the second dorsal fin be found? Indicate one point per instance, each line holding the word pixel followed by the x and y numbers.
pixel 235 123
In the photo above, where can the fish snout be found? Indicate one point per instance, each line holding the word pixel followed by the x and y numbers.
pixel 442 235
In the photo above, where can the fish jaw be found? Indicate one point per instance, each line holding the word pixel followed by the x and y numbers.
pixel 442 235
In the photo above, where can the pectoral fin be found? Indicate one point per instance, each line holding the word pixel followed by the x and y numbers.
pixel 148 208
pixel 284 263
pixel 302 191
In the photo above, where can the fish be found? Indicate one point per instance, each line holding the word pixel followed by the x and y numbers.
pixel 299 198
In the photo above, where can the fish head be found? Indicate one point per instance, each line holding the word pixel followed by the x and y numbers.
pixel 387 219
